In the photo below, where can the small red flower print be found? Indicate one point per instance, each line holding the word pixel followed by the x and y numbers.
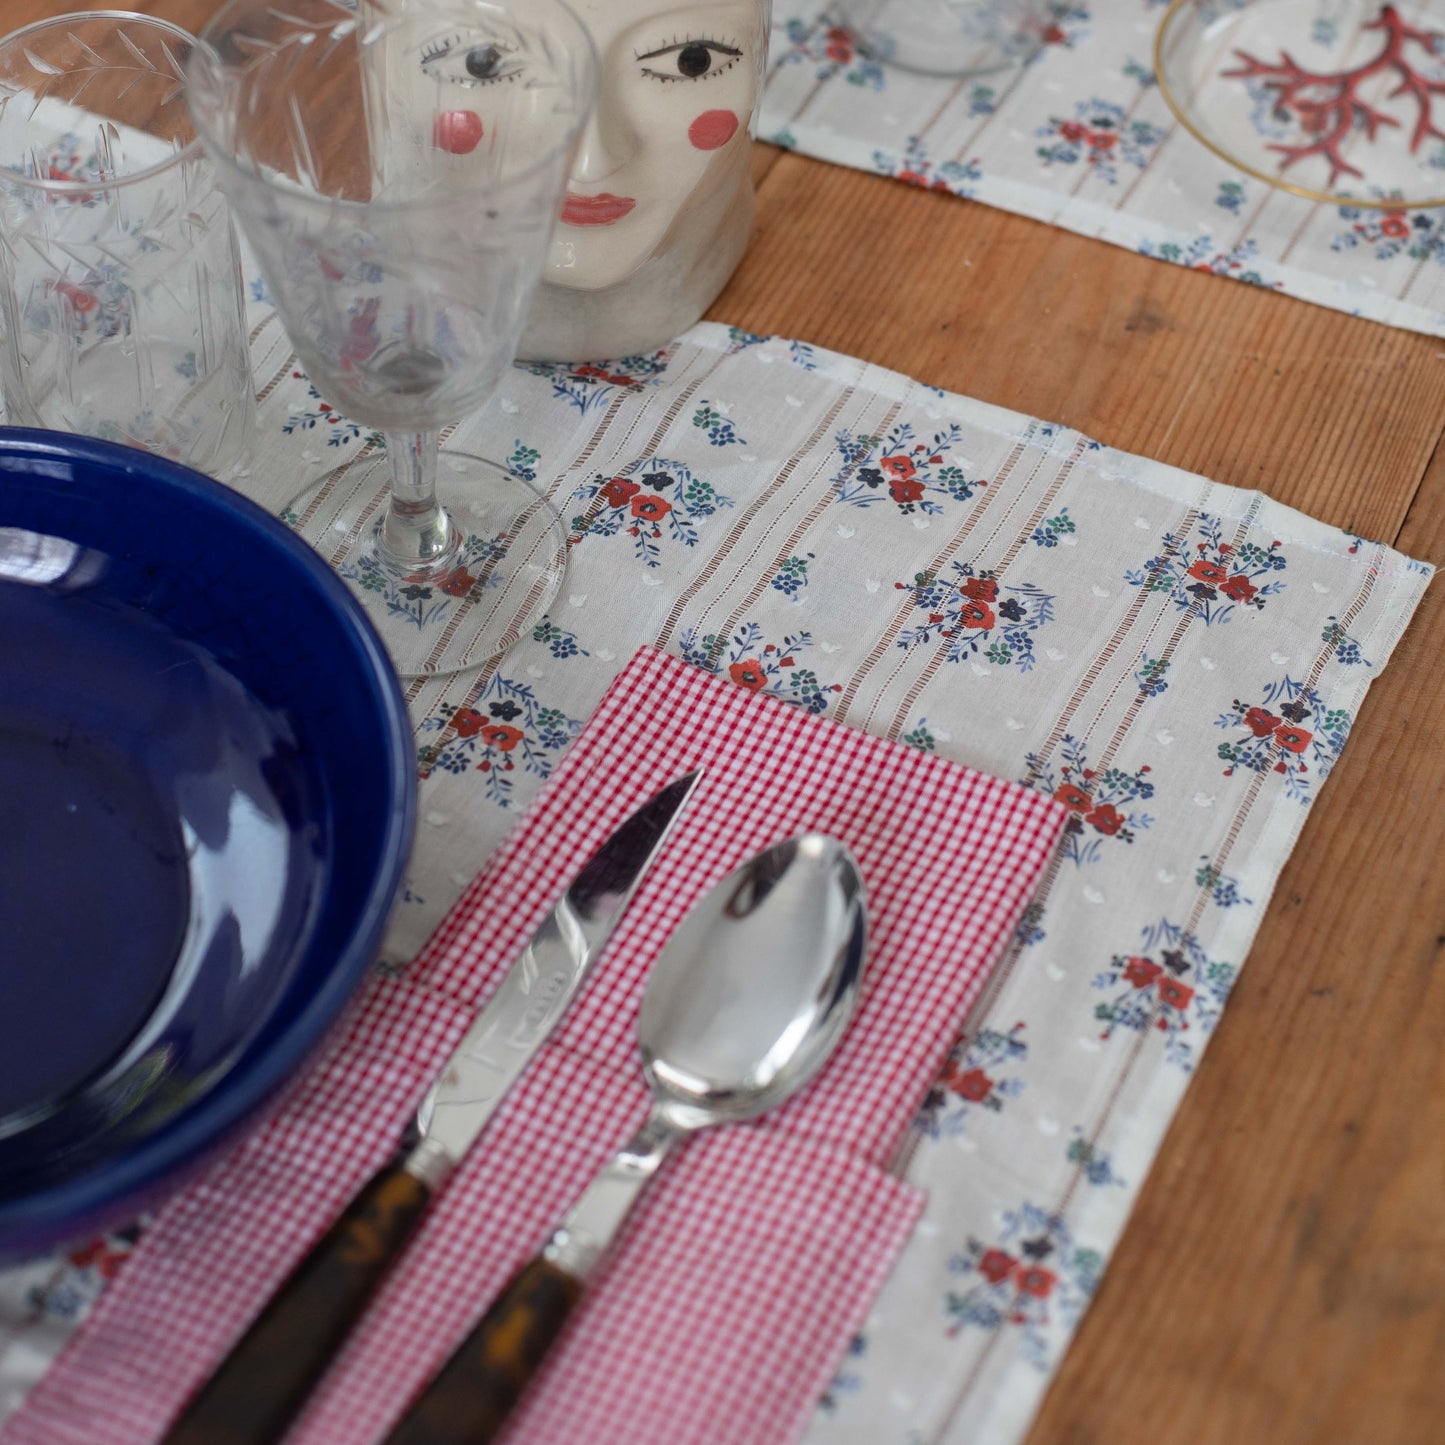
pixel 996 1265
pixel 1296 739
pixel 1053 35
pixel 914 179
pixel 974 1086
pixel 1037 1281
pixel 976 615
pixel 980 589
pixel 501 736
pixel 650 508
pixel 905 489
pixel 619 491
pixel 1175 994
pixel 840 45
pixel 1106 818
pixel 1073 130
pixel 1102 140
pixel 900 467
pixel 1238 588
pixel 1261 722
pixel 1210 572
pixel 468 722
pixel 1141 972
pixel 1394 224
pixel 80 299
pixel 457 583
pixel 1074 797
pixel 749 674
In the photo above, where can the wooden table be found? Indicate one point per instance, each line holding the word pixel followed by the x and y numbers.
pixel 1282 1280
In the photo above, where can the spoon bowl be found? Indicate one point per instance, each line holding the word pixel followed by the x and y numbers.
pixel 756 986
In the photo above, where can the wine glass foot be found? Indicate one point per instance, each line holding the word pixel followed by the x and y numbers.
pixel 491 591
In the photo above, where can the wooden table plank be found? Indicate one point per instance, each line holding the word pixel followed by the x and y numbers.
pixel 1282 1279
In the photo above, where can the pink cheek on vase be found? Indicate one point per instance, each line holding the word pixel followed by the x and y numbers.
pixel 713 128
pixel 458 132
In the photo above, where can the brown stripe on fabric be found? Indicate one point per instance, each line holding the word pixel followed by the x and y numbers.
pixel 333 477
pixel 940 652
pixel 1106 759
pixel 887 639
pixel 261 325
pixel 794 538
pixel 280 375
pixel 719 554
pixel 1173 543
pixel 1144 1035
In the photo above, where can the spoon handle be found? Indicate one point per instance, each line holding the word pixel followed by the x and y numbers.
pixel 469 1401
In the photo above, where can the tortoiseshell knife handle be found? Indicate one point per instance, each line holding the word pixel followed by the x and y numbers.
pixel 263 1383
pixel 470 1399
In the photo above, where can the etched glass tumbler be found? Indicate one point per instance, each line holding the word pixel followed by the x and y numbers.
pixel 398 167
pixel 120 281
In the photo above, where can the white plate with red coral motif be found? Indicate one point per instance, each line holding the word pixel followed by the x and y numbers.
pixel 1339 100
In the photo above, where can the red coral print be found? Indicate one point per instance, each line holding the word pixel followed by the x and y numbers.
pixel 1074 797
pixel 976 615
pixel 898 466
pixel 619 491
pixel 1261 722
pixel 1239 588
pixel 908 489
pixel 1296 739
pixel 980 589
pixel 996 1265
pixel 749 674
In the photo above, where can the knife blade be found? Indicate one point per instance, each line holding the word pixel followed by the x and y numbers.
pixel 263 1383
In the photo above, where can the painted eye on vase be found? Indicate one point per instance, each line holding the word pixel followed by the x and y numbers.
pixel 455 61
pixel 690 60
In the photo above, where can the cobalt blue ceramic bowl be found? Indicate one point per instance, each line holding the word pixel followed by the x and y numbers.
pixel 206 801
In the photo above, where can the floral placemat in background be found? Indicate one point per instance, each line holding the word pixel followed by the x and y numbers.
pixel 1082 138
pixel 1180 663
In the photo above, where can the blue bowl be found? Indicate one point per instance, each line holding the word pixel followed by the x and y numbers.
pixel 207 797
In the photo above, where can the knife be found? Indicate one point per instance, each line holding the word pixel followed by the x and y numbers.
pixel 264 1381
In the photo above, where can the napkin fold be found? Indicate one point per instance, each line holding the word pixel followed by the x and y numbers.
pixel 740 1280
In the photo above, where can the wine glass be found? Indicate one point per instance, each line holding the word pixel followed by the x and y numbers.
pixel 397 167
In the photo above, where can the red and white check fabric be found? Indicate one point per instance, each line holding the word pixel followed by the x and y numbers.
pixel 753 1259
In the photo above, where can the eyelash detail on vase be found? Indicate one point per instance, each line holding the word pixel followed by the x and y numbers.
pixel 716 49
pixel 490 55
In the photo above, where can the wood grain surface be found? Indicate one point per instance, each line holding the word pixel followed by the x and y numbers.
pixel 1282 1279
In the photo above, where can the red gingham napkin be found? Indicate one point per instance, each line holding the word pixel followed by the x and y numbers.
pixel 753 1259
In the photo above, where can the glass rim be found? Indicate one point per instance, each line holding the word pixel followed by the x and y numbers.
pixel 223 156
pixel 1294 188
pixel 48 186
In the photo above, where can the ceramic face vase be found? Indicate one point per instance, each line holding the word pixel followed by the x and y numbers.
pixel 660 204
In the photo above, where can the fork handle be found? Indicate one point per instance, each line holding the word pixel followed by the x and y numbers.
pixel 262 1384
pixel 469 1401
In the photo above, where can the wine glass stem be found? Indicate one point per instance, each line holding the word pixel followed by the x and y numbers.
pixel 416 536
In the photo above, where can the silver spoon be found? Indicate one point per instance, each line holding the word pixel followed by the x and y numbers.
pixel 742 1008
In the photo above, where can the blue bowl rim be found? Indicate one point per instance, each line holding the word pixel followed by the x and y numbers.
pixel 205 1125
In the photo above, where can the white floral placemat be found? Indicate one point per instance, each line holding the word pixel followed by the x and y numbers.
pixel 1082 138
pixel 1179 662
